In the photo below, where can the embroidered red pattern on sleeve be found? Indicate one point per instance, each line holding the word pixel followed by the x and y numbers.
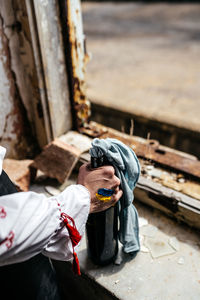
pixel 75 239
pixel 73 233
pixel 3 213
pixel 8 241
pixel 74 236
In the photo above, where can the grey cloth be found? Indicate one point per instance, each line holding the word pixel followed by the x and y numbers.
pixel 127 168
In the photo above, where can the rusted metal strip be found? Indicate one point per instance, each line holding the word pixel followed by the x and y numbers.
pixel 149 149
pixel 76 58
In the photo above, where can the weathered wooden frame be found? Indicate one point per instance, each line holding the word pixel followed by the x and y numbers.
pixel 158 194
pixel 44 20
pixel 63 79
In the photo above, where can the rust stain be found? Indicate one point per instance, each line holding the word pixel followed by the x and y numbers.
pixel 80 101
pixel 169 159
pixel 17 114
pixel 149 150
pixel 175 180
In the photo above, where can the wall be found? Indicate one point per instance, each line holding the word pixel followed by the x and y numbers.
pixel 19 97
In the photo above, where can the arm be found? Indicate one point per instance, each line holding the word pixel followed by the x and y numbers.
pixel 31 223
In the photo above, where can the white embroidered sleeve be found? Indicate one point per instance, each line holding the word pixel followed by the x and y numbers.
pixel 31 223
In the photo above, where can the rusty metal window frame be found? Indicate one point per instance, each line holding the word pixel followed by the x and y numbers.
pixel 76 59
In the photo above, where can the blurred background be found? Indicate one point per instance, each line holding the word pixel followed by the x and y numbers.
pixel 144 69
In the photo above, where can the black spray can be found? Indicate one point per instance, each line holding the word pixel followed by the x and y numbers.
pixel 102 229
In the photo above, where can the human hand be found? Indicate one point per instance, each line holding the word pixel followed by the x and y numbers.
pixel 94 179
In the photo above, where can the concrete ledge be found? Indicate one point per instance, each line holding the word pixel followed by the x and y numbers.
pixel 170 276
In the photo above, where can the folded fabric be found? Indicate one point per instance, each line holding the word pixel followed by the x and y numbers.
pixel 127 168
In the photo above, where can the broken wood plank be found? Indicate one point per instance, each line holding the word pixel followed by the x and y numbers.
pixel 149 149
pixel 188 215
pixel 170 199
pixel 159 189
pixel 171 202
pixel 57 160
pixel 174 203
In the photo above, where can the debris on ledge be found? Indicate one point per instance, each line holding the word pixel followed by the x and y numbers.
pixel 19 172
pixel 57 160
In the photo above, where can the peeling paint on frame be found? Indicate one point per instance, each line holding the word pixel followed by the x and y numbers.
pixel 11 121
pixel 78 61
pixel 53 63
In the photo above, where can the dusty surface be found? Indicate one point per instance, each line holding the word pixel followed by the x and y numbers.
pixel 159 272
pixel 175 275
pixel 145 59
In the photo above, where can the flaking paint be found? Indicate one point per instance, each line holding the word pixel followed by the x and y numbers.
pixel 13 122
pixel 78 62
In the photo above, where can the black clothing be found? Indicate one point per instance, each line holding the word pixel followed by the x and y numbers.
pixel 34 279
